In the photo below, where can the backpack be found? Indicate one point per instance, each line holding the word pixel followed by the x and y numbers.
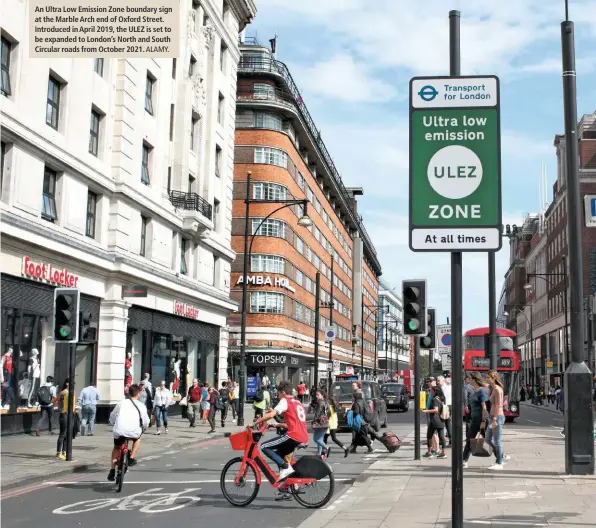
pixel 354 421
pixel 444 412
pixel 44 396
pixel 259 396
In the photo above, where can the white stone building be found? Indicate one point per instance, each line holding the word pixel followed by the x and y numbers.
pixel 117 173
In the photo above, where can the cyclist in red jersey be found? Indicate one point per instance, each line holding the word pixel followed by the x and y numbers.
pixel 297 433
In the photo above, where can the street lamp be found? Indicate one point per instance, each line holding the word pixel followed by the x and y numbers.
pixel 303 221
pixel 528 287
pixel 373 310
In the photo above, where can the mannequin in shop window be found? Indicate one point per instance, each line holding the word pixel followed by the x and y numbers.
pixel 175 376
pixel 7 373
pixel 33 372
pixel 127 372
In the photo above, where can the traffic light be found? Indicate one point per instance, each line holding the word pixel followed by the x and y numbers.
pixel 414 297
pixel 429 341
pixel 86 333
pixel 66 315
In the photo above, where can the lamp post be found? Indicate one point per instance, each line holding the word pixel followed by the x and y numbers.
pixel 303 221
pixel 330 305
pixel 373 310
pixel 543 276
pixel 519 309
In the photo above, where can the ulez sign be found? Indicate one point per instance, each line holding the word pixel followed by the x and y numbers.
pixel 455 164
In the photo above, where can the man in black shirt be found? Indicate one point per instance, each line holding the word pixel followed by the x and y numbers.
pixel 224 397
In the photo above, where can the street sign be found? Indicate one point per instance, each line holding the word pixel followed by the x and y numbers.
pixel 336 366
pixel 446 361
pixel 455 164
pixel 444 340
pixel 329 334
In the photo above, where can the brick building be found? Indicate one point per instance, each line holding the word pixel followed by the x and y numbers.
pixel 546 256
pixel 276 139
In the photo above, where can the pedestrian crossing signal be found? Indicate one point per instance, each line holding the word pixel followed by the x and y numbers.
pixel 66 315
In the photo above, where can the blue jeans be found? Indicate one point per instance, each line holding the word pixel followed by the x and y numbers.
pixel 88 417
pixel 318 437
pixel 161 412
pixel 495 437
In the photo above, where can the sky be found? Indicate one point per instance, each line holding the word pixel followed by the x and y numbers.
pixel 352 61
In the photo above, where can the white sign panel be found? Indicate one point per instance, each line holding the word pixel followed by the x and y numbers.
pixel 477 238
pixel 446 361
pixel 590 209
pixel 329 334
pixel 336 366
pixel 452 93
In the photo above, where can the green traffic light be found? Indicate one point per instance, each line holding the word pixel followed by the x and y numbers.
pixel 413 324
pixel 64 332
pixel 426 340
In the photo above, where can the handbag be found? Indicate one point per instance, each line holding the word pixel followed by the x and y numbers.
pixel 444 412
pixel 322 422
pixel 480 447
pixel 183 402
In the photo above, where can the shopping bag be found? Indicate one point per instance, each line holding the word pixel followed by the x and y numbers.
pixel 480 447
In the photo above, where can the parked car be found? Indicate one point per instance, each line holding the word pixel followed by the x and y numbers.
pixel 396 396
pixel 342 391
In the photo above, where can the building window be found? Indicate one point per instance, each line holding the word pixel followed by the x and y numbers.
pixel 91 214
pixel 183 268
pixel 193 129
pixel 221 109
pixel 169 180
pixel 98 66
pixel 191 184
pixel 6 51
pixel 270 228
pixel 48 210
pixel 271 156
pixel 299 245
pixel 216 204
pixel 267 264
pixel 267 302
pixel 309 194
pixel 94 133
pixel 174 65
pixel 2 158
pixel 318 206
pixel 299 277
pixel 53 103
pixel 269 191
pixel 263 91
pixel 172 111
pixel 308 285
pixel 265 120
pixel 191 66
pixel 149 94
pixel 223 50
pixel 145 165
pixel 144 222
pixel 217 161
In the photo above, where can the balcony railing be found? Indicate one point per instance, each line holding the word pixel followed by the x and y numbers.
pixel 191 201
pixel 267 64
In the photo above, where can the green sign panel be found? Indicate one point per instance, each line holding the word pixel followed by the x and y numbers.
pixel 455 164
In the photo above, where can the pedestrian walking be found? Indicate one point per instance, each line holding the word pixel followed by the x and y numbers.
pixel 446 389
pixel 148 385
pixel 301 389
pixel 61 401
pixel 162 401
pixel 438 412
pixel 261 402
pixel 494 433
pixel 478 414
pixel 561 407
pixel 213 398
pixel 146 398
pixel 88 399
pixel 45 397
pixel 320 423
pixel 366 432
pixel 205 405
pixel 233 399
pixel 333 426
pixel 224 400
pixel 193 400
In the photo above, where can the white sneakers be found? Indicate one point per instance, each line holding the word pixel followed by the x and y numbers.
pixel 285 473
pixel 496 467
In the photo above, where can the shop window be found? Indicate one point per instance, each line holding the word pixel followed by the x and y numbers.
pixel 169 362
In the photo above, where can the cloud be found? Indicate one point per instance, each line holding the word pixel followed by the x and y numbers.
pixel 341 78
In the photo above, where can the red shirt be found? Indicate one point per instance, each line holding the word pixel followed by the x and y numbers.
pixel 301 389
pixel 194 394
pixel 295 417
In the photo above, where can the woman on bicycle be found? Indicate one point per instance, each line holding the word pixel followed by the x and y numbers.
pixel 320 423
pixel 333 426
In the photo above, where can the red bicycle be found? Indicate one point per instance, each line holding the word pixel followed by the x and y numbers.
pixel 312 484
pixel 122 466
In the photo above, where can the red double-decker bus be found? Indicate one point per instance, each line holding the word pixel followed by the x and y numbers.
pixel 475 359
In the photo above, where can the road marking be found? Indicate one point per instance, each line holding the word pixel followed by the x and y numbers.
pixel 59 483
pixel 496 495
pixel 171 452
pixel 531 421
pixel 509 523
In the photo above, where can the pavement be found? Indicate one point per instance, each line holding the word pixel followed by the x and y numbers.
pixel 27 458
pixel 179 486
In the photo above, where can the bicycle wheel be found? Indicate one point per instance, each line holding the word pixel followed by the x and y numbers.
pixel 246 486
pixel 122 467
pixel 317 494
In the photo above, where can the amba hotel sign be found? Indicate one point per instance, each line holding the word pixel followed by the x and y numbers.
pixel 266 280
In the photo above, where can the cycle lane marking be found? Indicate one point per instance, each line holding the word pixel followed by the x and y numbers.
pixel 140 482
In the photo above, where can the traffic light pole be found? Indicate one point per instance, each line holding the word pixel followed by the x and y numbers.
pixel 417 398
pixel 579 446
pixel 457 481
pixel 71 394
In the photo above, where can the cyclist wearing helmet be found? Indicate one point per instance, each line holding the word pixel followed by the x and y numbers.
pixel 295 421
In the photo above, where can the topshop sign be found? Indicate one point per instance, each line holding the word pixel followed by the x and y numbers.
pixel 271 360
pixel 262 280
